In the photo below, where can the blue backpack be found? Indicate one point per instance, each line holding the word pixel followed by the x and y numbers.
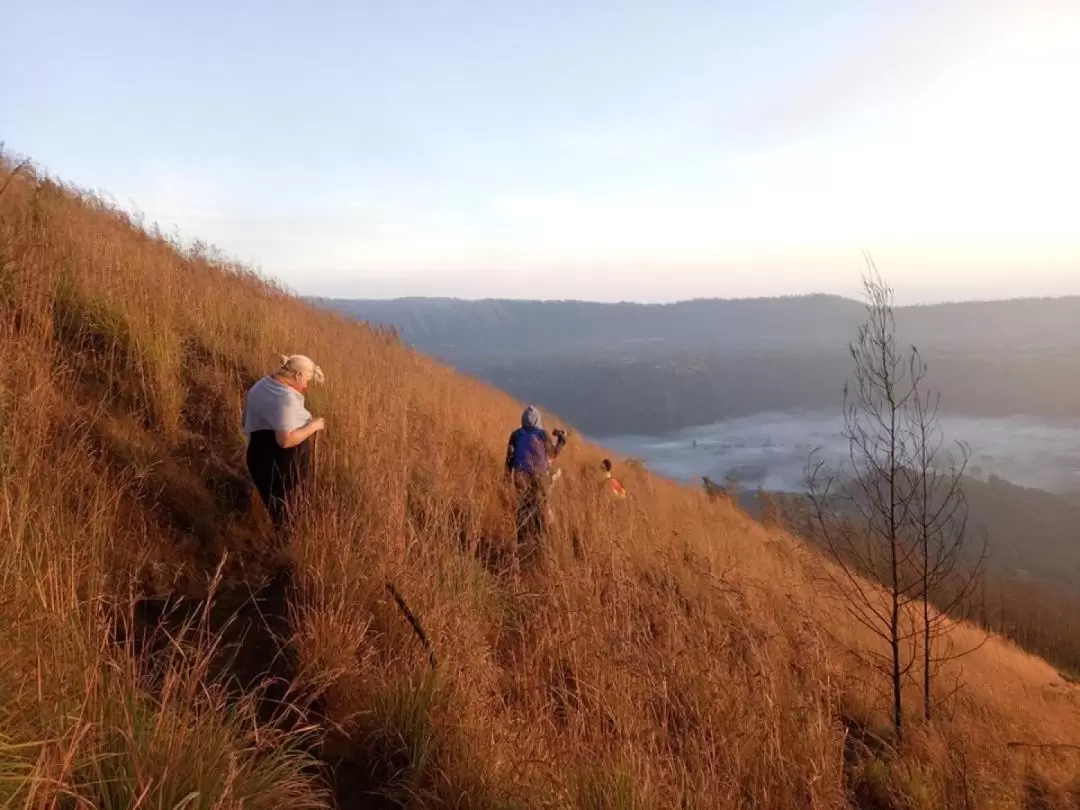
pixel 530 450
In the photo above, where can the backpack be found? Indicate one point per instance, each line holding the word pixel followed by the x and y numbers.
pixel 530 451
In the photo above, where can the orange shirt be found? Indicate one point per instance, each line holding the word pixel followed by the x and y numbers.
pixel 616 487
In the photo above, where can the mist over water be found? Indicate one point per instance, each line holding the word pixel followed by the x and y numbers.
pixel 770 450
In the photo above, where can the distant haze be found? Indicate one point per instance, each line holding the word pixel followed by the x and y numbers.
pixel 771 450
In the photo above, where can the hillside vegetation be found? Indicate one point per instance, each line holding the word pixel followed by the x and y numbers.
pixel 159 650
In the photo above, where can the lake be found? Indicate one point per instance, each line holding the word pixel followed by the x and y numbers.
pixel 770 450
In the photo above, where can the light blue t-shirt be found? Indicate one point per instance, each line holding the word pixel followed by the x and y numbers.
pixel 272 405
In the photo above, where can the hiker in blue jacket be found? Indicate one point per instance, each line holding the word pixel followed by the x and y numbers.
pixel 528 457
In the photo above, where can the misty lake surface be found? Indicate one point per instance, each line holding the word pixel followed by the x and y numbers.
pixel 770 450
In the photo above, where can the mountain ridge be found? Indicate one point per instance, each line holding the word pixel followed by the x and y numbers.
pixel 631 369
pixel 962 302
pixel 452 326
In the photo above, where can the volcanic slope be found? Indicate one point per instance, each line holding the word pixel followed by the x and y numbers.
pixel 159 650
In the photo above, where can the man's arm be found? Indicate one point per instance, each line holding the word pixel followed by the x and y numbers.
pixel 291 438
pixel 292 423
pixel 554 448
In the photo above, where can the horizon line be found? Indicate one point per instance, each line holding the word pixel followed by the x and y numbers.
pixel 694 300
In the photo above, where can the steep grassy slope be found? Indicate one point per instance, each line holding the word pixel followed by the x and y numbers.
pixel 158 650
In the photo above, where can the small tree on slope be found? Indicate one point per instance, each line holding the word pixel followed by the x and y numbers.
pixel 894 515
pixel 950 560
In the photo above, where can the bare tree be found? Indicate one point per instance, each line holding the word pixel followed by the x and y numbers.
pixel 895 514
pixel 862 515
pixel 950 560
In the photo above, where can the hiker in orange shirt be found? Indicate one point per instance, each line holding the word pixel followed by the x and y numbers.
pixel 616 488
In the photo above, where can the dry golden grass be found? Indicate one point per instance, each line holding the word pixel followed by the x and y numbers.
pixel 665 651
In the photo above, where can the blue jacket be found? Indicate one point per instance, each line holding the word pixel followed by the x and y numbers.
pixel 531 448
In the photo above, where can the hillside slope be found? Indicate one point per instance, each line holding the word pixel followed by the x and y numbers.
pixel 158 650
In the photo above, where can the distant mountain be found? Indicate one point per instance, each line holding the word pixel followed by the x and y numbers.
pixel 652 368
pixel 500 328
pixel 476 331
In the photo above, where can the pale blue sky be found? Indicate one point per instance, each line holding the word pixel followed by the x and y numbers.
pixel 601 150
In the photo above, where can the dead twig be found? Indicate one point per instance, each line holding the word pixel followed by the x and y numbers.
pixel 414 622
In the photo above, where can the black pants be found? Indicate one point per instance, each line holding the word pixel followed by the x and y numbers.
pixel 279 474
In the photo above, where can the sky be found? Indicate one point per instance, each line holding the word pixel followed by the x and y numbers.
pixel 602 150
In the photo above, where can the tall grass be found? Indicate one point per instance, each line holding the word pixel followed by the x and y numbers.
pixel 664 651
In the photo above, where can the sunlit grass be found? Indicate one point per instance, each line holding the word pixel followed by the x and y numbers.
pixel 664 651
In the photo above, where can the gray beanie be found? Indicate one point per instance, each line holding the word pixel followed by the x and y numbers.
pixel 531 417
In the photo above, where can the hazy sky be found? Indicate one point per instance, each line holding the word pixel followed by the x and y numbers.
pixel 604 150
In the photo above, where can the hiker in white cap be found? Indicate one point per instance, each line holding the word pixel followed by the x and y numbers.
pixel 278 427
